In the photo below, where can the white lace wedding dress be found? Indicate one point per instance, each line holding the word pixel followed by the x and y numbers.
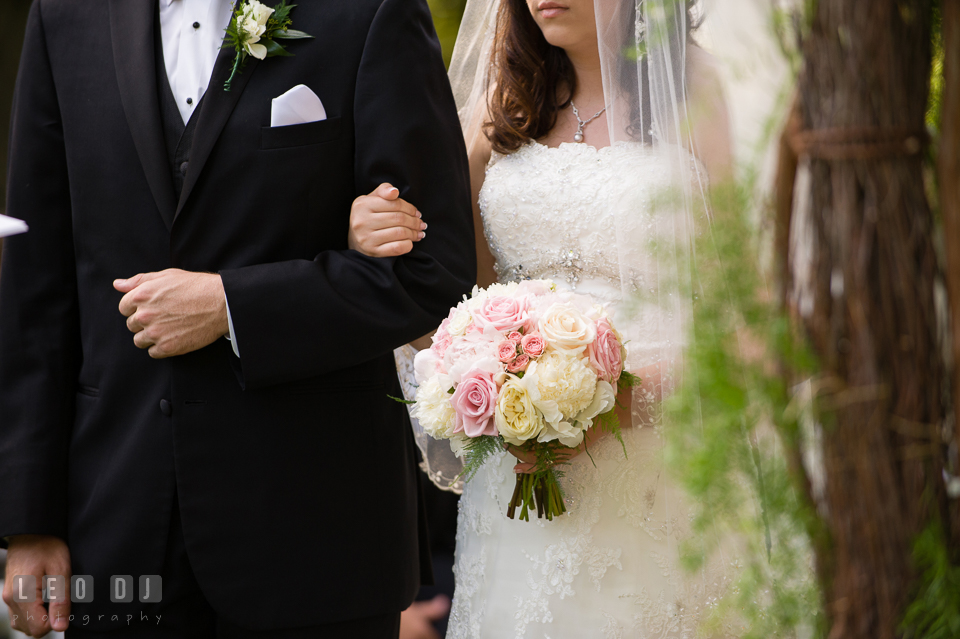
pixel 609 568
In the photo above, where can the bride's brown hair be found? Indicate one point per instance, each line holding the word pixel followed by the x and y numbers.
pixel 531 80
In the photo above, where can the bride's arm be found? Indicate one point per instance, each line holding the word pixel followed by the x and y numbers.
pixel 479 156
pixel 709 116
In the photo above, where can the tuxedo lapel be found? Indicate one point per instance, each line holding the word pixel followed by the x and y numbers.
pixel 132 34
pixel 217 106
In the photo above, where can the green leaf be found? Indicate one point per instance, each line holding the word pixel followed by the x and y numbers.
pixel 291 34
pixel 628 380
pixel 274 49
pixel 477 451
pixel 402 401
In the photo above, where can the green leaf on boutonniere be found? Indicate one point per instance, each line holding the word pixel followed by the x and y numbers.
pixel 291 34
pixel 274 49
pixel 254 29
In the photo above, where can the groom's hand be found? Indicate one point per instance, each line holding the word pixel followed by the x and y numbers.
pixel 173 312
pixel 37 555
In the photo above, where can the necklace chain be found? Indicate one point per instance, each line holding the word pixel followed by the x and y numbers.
pixel 578 136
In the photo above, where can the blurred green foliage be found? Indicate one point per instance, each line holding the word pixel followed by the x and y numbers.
pixel 736 430
pixel 446 18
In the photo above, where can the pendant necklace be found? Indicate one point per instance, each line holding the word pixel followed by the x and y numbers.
pixel 578 136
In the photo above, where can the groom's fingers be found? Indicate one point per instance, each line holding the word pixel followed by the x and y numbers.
pixel 133 324
pixel 127 285
pixel 141 340
pixel 60 609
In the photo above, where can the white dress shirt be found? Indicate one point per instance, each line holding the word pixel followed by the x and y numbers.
pixel 192 33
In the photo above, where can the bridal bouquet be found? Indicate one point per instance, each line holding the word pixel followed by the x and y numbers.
pixel 521 364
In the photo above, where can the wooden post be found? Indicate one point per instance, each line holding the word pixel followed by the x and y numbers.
pixel 872 319
pixel 949 181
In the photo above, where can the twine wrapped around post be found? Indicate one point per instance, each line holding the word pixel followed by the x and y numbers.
pixel 858 143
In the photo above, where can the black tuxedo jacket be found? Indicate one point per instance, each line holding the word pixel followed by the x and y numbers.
pixel 295 473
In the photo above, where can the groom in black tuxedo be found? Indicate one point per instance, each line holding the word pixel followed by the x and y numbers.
pixel 275 492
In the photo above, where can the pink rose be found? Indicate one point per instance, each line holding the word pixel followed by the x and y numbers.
pixel 606 352
pixel 519 364
pixel 533 344
pixel 515 337
pixel 507 351
pixel 503 313
pixel 475 401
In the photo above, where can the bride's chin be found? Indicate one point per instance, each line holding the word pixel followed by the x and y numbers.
pixel 560 35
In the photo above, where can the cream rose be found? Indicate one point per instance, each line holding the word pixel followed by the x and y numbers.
pixel 567 384
pixel 433 409
pixel 565 328
pixel 460 321
pixel 516 416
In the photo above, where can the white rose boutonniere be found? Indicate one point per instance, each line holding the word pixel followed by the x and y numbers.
pixel 255 29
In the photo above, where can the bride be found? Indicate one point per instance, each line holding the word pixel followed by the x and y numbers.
pixel 590 127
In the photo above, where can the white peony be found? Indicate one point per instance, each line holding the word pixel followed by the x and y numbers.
pixel 458 444
pixel 536 287
pixel 469 351
pixel 604 400
pixel 570 434
pixel 426 364
pixel 433 409
pixel 567 384
pixel 566 328
pixel 516 417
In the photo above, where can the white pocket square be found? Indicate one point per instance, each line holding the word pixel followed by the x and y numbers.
pixel 299 105
pixel 11 226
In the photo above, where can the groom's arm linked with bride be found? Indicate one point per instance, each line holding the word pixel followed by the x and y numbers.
pixel 104 434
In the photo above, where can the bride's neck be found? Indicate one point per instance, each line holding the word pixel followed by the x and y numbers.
pixel 586 65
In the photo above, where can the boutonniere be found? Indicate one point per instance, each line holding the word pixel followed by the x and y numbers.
pixel 255 29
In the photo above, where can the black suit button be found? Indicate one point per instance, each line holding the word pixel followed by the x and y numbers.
pixel 183 169
pixel 166 408
pixel 196 25
pixel 189 100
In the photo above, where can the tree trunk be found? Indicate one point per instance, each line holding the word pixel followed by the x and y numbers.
pixel 872 322
pixel 949 183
